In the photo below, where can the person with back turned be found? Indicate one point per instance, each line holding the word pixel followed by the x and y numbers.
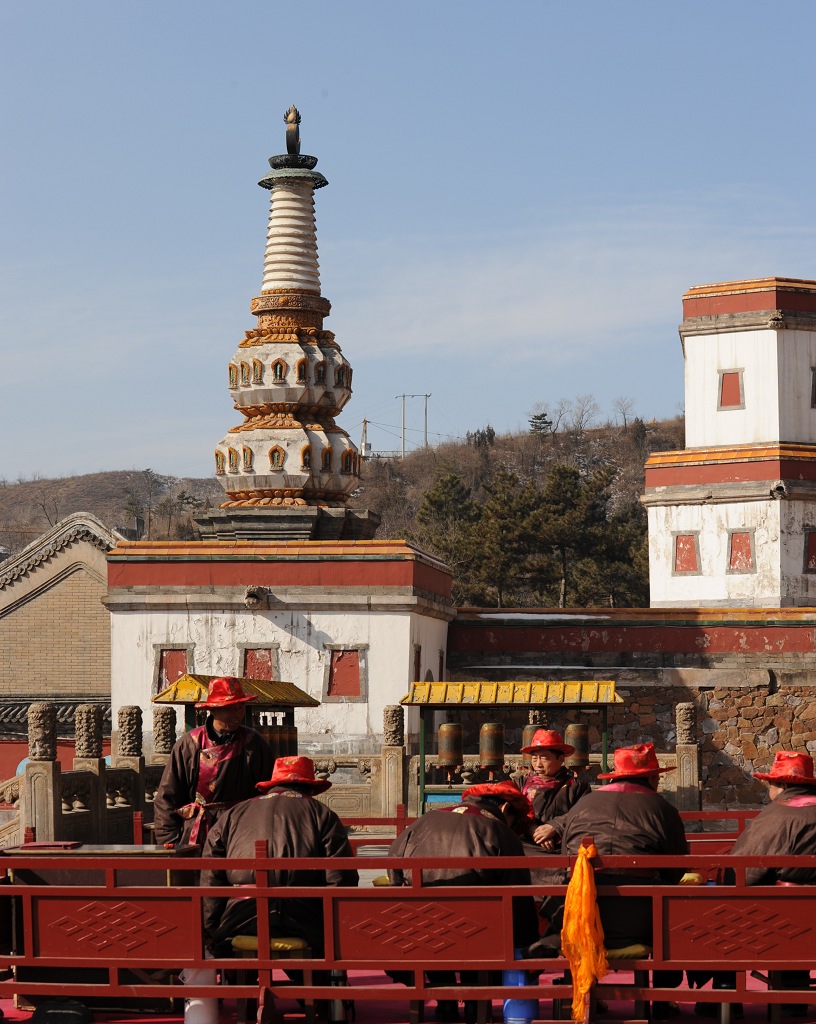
pixel 295 825
pixel 786 826
pixel 487 823
pixel 629 816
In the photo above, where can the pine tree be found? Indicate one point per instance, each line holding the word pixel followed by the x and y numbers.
pixel 571 520
pixel 445 521
pixel 503 537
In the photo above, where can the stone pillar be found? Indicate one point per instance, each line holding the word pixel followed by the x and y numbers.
pixel 88 731
pixel 88 758
pixel 392 781
pixel 41 804
pixel 688 759
pixel 394 725
pixel 164 733
pixel 130 751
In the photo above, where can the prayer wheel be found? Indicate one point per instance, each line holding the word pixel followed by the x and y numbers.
pixel 577 735
pixel 491 744
pixel 288 739
pixel 527 734
pixel 271 734
pixel 449 745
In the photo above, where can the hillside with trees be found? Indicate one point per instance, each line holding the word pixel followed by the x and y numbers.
pixel 547 517
pixel 550 517
pixel 137 502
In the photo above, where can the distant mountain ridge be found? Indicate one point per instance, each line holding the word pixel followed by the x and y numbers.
pixel 118 498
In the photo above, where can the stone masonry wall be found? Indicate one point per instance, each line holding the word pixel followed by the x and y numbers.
pixel 58 643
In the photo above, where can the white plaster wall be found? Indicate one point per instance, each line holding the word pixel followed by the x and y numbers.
pixel 343 727
pixel 798 587
pixel 756 353
pixel 797 350
pixel 715 585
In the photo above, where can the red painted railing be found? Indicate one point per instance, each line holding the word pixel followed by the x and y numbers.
pixel 111 922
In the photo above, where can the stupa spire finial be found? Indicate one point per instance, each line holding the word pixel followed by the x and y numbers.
pixel 292 119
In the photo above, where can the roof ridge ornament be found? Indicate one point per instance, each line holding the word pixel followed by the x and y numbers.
pixel 292 120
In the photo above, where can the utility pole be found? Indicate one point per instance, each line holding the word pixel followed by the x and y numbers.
pixel 403 397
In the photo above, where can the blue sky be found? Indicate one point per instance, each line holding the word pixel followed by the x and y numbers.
pixel 519 195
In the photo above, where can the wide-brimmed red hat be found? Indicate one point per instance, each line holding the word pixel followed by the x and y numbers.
pixel 634 761
pixel 225 691
pixel 790 767
pixel 548 739
pixel 507 792
pixel 294 771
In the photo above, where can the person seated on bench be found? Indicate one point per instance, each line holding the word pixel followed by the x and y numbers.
pixel 551 787
pixel 627 817
pixel 787 826
pixel 484 824
pixel 210 768
pixel 295 825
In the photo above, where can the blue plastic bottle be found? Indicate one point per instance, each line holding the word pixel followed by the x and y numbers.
pixel 518 1011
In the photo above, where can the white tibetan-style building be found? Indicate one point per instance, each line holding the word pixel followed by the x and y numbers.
pixel 732 518
pixel 350 623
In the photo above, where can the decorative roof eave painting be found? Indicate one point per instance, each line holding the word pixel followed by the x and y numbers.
pixel 192 689
pixel 521 694
pixel 79 526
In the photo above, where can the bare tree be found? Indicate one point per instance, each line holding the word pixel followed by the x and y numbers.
pixel 584 412
pixel 624 407
pixel 40 493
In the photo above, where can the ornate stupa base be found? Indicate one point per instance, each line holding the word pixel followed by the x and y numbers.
pixel 296 523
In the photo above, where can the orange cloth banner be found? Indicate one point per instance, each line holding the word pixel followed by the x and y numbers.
pixel 582 937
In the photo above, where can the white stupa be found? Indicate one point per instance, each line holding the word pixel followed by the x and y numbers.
pixel 288 468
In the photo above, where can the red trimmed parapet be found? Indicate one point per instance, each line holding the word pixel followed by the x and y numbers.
pixel 787 294
pixel 674 636
pixel 317 565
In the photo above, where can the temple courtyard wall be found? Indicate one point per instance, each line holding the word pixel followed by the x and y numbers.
pixel 750 674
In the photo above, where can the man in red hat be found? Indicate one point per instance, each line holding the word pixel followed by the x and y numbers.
pixel 210 768
pixel 551 786
pixel 487 823
pixel 628 816
pixel 295 825
pixel 787 826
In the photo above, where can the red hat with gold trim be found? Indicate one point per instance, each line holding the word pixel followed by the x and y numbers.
pixel 548 739
pixel 295 771
pixel 633 761
pixel 223 692
pixel 790 767
pixel 506 791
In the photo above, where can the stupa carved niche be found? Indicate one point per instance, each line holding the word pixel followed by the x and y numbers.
pixel 289 378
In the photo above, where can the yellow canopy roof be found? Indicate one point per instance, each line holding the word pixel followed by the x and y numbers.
pixel 192 689
pixel 512 693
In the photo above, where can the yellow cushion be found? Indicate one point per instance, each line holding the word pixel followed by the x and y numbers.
pixel 633 952
pixel 249 944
